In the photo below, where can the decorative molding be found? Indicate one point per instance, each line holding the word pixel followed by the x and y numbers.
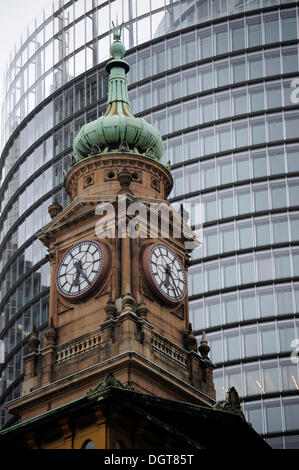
pixel 74 348
pixel 169 349
pixel 115 161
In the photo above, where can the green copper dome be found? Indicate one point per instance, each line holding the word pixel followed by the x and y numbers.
pixel 118 129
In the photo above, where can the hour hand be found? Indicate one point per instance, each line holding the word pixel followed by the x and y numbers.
pixel 167 272
pixel 77 265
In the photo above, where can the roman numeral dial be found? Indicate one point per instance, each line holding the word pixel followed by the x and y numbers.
pixel 164 273
pixel 82 269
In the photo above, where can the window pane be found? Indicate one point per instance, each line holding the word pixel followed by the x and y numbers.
pixel 290 61
pixel 229 273
pixel 273 416
pixel 223 139
pixel 238 70
pixel 230 308
pixel 276 162
pixel 257 132
pixel 210 210
pixel 208 175
pixel 264 267
pixel 291 410
pixel 286 336
pixel 289 375
pixel 274 96
pixel 240 135
pixel 233 346
pixel 272 63
pixel 234 379
pixel 280 230
pixel 278 194
pixel 271 383
pixel 244 202
pixel 212 277
pixel 255 67
pixel 261 198
pixel 213 312
pixel 288 26
pixel 221 40
pixel 254 32
pixel 205 43
pixel 284 301
pixel 256 99
pixel 246 270
pixel 271 28
pixel 268 338
pixel 255 418
pixel 225 171
pixel 250 343
pixel 226 205
pixel 197 316
pixel 252 380
pixel 248 302
pixel 262 230
pixel 294 194
pixel 245 235
pixel 291 126
pixel 228 239
pixel 215 342
pixel 259 162
pixel 211 242
pixel 242 168
pixel 222 74
pixel 237 36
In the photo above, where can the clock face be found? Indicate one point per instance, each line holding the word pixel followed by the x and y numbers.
pixel 164 273
pixel 82 269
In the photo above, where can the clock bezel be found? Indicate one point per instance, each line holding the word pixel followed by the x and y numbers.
pixel 146 264
pixel 99 278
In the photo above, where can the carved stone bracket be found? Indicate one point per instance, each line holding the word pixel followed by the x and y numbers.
pixel 109 381
pixel 231 403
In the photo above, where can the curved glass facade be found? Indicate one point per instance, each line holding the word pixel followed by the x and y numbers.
pixel 217 79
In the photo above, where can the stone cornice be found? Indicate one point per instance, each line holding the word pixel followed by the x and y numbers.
pixel 87 377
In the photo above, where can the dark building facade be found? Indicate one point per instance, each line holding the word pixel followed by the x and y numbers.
pixel 215 78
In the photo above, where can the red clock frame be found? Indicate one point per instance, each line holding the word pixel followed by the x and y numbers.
pixel 150 279
pixel 99 278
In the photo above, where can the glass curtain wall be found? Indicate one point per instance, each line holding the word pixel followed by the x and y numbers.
pixel 218 80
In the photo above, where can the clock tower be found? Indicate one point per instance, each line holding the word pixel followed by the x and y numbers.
pixel 119 256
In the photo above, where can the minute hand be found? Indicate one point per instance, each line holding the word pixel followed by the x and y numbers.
pixel 173 283
pixel 83 275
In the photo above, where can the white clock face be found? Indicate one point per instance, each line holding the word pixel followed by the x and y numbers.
pixel 81 269
pixel 167 273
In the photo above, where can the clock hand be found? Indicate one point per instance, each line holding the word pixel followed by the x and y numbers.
pixel 76 279
pixel 84 275
pixel 167 272
pixel 78 266
pixel 173 284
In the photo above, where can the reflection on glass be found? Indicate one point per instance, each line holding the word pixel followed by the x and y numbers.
pixel 271 381
pixel 252 380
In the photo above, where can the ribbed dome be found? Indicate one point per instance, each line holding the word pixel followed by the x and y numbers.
pixel 118 129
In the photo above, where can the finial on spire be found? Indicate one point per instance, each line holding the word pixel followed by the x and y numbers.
pixel 116 30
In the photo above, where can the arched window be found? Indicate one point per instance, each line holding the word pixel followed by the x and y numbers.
pixel 88 444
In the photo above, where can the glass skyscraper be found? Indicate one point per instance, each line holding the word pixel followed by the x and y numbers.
pixel 218 78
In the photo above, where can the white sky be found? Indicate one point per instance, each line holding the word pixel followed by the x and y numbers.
pixel 15 15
